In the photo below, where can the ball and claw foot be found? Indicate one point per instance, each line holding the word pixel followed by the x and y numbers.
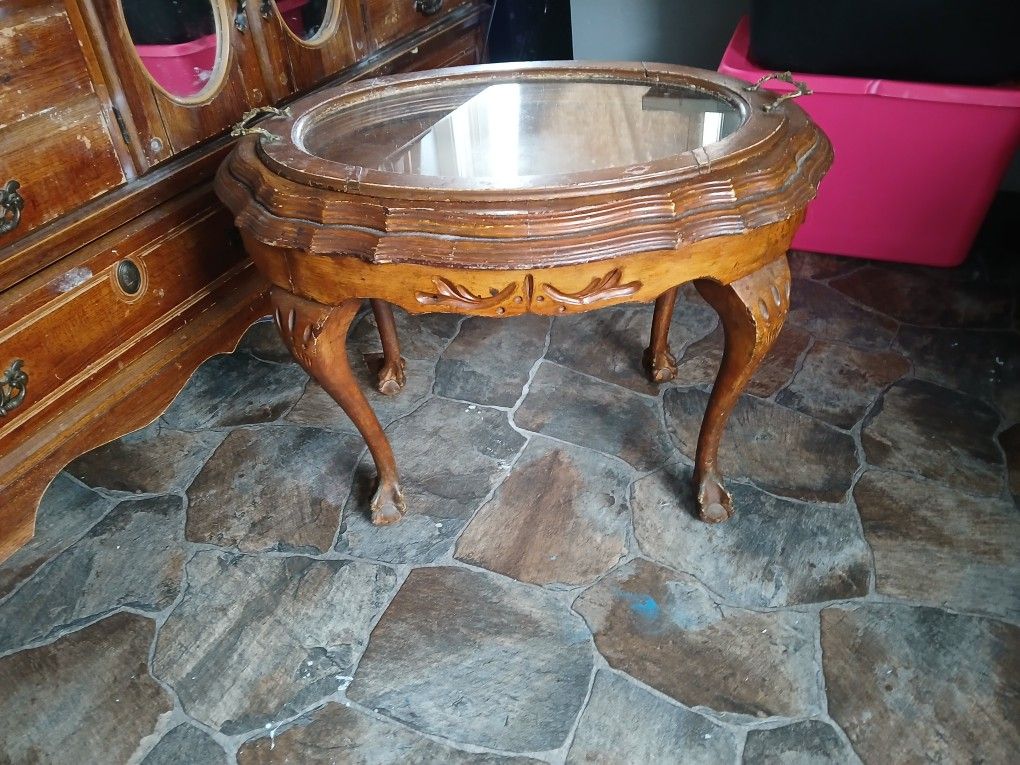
pixel 387 505
pixel 661 366
pixel 714 503
pixel 391 377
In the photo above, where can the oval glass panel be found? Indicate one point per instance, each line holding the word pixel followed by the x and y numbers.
pixel 304 18
pixel 498 132
pixel 176 41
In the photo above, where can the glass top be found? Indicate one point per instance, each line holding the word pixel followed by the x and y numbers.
pixel 502 131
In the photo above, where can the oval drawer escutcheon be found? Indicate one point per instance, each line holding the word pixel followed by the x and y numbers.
pixel 13 386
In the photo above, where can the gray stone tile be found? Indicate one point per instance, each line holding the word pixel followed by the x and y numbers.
pixel 560 517
pixel 87 698
pixel 925 684
pixel 983 363
pixel 773 552
pixel 132 557
pixel 838 383
pixel 609 344
pixel 937 546
pixel 319 409
pixel 449 455
pixel 808 742
pixel 821 266
pixel 828 315
pixel 335 733
pixel 421 336
pixel 780 450
pixel 700 364
pixel 273 488
pixel 478 659
pixel 153 460
pixel 489 361
pixel 186 745
pixel 66 511
pixel 936 433
pixel 256 639
pixel 625 723
pixel 1009 440
pixel 236 389
pixel 575 408
pixel 263 341
pixel 915 297
pixel 663 628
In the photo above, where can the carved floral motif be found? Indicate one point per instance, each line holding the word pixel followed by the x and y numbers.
pixel 604 288
pixel 458 296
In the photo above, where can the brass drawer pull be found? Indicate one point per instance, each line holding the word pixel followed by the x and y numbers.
pixel 13 386
pixel 11 203
pixel 243 127
pixel 428 7
pixel 802 88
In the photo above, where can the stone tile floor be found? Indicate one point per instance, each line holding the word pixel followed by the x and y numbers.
pixel 209 589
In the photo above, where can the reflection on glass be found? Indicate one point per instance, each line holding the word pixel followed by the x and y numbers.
pixel 510 130
pixel 176 41
pixel 303 17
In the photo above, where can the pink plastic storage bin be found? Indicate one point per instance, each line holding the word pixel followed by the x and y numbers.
pixel 916 164
pixel 291 12
pixel 182 69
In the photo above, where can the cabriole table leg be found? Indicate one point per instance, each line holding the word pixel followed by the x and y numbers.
pixel 659 362
pixel 317 337
pixel 391 376
pixel 752 310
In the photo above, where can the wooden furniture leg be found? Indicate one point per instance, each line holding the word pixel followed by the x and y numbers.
pixel 317 337
pixel 659 362
pixel 752 310
pixel 391 376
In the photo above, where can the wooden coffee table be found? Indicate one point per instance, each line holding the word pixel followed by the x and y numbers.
pixel 546 188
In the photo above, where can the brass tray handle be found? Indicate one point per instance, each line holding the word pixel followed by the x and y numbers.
pixel 428 7
pixel 13 386
pixel 244 126
pixel 11 204
pixel 802 88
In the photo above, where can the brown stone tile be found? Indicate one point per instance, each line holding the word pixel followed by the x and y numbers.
pixel 476 658
pixel 449 455
pixel 335 733
pixel 700 363
pixel 925 684
pixel 773 552
pixel 663 628
pixel 273 488
pixel 86 698
pixel 609 344
pixel 828 315
pixel 153 460
pixel 236 389
pixel 1009 440
pixel 807 742
pixel 132 557
pixel 838 383
pixel 610 419
pixel 982 363
pixel 938 546
pixel 916 298
pixel 66 511
pixel 936 433
pixel 186 745
pixel 560 517
pixel 421 336
pixel 821 266
pixel 256 639
pixel 317 408
pixel 489 361
pixel 780 450
pixel 625 723
pixel 263 341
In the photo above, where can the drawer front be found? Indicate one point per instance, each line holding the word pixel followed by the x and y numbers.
pixel 54 140
pixel 75 319
pixel 390 19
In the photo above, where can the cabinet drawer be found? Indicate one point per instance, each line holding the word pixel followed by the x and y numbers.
pixel 53 137
pixel 72 324
pixel 390 19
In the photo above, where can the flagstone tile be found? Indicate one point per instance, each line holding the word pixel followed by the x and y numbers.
pixel 478 659
pixel 1009 440
pixel 186 745
pixel 808 742
pixel 663 628
pixel 263 341
pixel 929 685
pixel 821 266
pixel 421 336
pixel 829 315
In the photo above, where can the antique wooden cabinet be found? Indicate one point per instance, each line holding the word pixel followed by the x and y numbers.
pixel 119 271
